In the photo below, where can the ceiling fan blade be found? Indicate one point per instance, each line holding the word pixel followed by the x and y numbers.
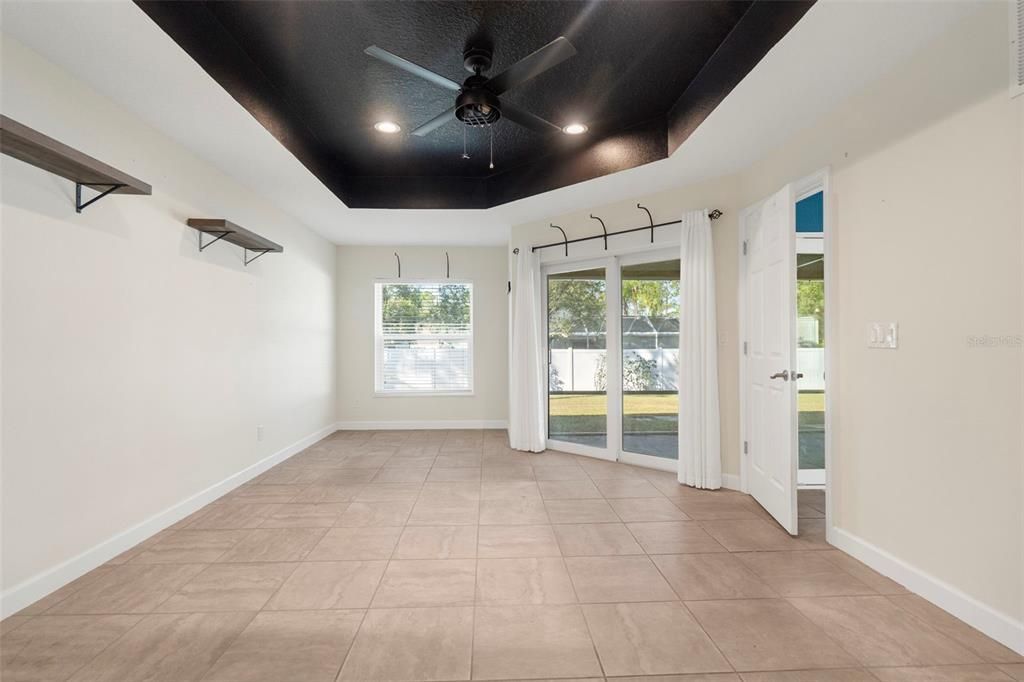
pixel 414 69
pixel 435 122
pixel 527 120
pixel 555 52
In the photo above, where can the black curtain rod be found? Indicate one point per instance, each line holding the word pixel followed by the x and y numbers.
pixel 714 215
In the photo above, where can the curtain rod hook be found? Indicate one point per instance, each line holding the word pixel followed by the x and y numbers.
pixel 605 229
pixel 564 238
pixel 650 219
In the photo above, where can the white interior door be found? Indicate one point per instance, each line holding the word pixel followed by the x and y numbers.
pixel 769 231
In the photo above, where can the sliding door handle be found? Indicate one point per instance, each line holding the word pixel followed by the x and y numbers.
pixel 784 375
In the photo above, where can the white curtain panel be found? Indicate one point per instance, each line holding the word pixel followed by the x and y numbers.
pixel 700 457
pixel 526 428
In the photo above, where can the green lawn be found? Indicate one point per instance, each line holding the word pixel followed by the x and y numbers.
pixel 593 405
pixel 590 405
pixel 811 402
pixel 643 413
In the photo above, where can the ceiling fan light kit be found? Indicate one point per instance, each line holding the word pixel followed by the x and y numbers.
pixel 477 106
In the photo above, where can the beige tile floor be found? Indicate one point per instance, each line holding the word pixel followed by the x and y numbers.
pixel 448 556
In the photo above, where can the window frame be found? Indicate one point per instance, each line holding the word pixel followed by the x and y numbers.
pixel 378 339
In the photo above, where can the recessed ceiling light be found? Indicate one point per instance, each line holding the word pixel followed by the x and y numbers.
pixel 386 127
pixel 574 129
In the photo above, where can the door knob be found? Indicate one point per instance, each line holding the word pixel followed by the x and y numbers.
pixel 784 375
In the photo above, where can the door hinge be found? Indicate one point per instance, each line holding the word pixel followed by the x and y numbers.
pixel 744 347
pixel 744 247
pixel 746 447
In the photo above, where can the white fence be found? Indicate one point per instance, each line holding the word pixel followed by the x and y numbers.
pixel 576 369
pixel 811 362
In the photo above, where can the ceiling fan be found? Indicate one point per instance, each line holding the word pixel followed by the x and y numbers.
pixel 477 102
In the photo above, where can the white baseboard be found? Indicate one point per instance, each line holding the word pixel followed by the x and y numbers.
pixel 42 584
pixel 999 626
pixel 423 425
pixel 731 481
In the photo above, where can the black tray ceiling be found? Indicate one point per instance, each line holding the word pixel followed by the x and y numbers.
pixel 645 75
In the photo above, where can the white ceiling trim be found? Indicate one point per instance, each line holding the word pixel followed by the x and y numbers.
pixel 837 49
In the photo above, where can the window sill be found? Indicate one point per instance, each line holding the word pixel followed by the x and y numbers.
pixel 423 394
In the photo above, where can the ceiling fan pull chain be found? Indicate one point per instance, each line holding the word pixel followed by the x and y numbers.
pixel 491 130
pixel 465 154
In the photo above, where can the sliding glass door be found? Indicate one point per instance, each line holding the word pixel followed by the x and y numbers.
pixel 613 356
pixel 650 358
pixel 577 357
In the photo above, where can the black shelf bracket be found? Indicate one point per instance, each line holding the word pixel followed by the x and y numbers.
pixel 245 252
pixel 399 265
pixel 220 235
pixel 603 228
pixel 650 218
pixel 78 195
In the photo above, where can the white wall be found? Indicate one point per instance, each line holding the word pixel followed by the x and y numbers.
pixel 927 169
pixel 358 267
pixel 927 201
pixel 135 368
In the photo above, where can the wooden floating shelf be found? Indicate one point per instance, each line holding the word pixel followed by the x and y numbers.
pixel 32 147
pixel 235 234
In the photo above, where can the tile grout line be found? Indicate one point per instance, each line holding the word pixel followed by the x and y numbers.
pixel 230 644
pixel 352 644
pixel 691 614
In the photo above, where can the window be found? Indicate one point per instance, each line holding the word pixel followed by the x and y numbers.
pixel 810 213
pixel 423 337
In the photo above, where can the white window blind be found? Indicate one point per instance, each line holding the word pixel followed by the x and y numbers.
pixel 424 337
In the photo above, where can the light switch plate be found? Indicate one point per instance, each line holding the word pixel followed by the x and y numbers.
pixel 883 335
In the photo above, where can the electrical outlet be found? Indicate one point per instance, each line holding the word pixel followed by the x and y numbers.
pixel 259 434
pixel 883 335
